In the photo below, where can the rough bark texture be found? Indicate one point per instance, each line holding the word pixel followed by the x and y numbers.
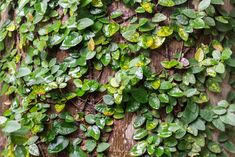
pixel 121 136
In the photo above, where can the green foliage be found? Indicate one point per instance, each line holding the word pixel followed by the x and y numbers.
pixel 174 115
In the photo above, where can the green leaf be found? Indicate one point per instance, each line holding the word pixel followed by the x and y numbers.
pixel 218 2
pixel 221 19
pixel 2 120
pixel 90 145
pixel 154 101
pixel 41 7
pixel 207 114
pixel 190 92
pixel 156 84
pixel 19 151
pixel 110 29
pixel 133 106
pixel 140 134
pixel 219 124
pixel 189 13
pixel 214 147
pixel 219 110
pixel 190 113
pixel 199 124
pixel 139 149
pixel 34 150
pixel 145 41
pixel 55 39
pixel 131 35
pixel 164 98
pixel 176 92
pixel 229 146
pixel 21 4
pixel 157 42
pixel 228 118
pixel 11 126
pixel 165 85
pixel 84 23
pixel 140 95
pixel 220 68
pixel 77 152
pixel 151 124
pixel 71 40
pixel 199 55
pixel 23 71
pixel 166 3
pixel 159 17
pixel 183 34
pixel 139 121
pixel 102 147
pixel 108 99
pixel 115 14
pixel 226 54
pixel 204 4
pixel 197 23
pixel 90 119
pixel 165 31
pixel 169 64
pixel 106 59
pixel 65 128
pixel 178 2
pixel 58 145
pixel 97 3
pixel 94 131
pixel 159 151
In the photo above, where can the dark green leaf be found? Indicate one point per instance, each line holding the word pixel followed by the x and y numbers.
pixel 140 95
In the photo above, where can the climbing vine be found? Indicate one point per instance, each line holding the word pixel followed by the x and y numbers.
pixel 174 114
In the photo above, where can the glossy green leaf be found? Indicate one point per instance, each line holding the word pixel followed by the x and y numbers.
pixel 65 128
pixel 165 31
pixel 84 23
pixel 59 144
pixel 2 120
pixel 166 3
pixel 139 149
pixel 204 4
pixel 197 23
pixel 154 101
pixel 23 71
pixel 228 118
pixel 11 126
pixel 34 150
pixel 140 134
pixel 90 145
pixel 108 99
pixel 110 29
pixel 90 119
pixel 94 132
pixel 169 64
pixel 176 92
pixel 159 17
pixel 71 40
pixel 102 147
pixel 145 41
